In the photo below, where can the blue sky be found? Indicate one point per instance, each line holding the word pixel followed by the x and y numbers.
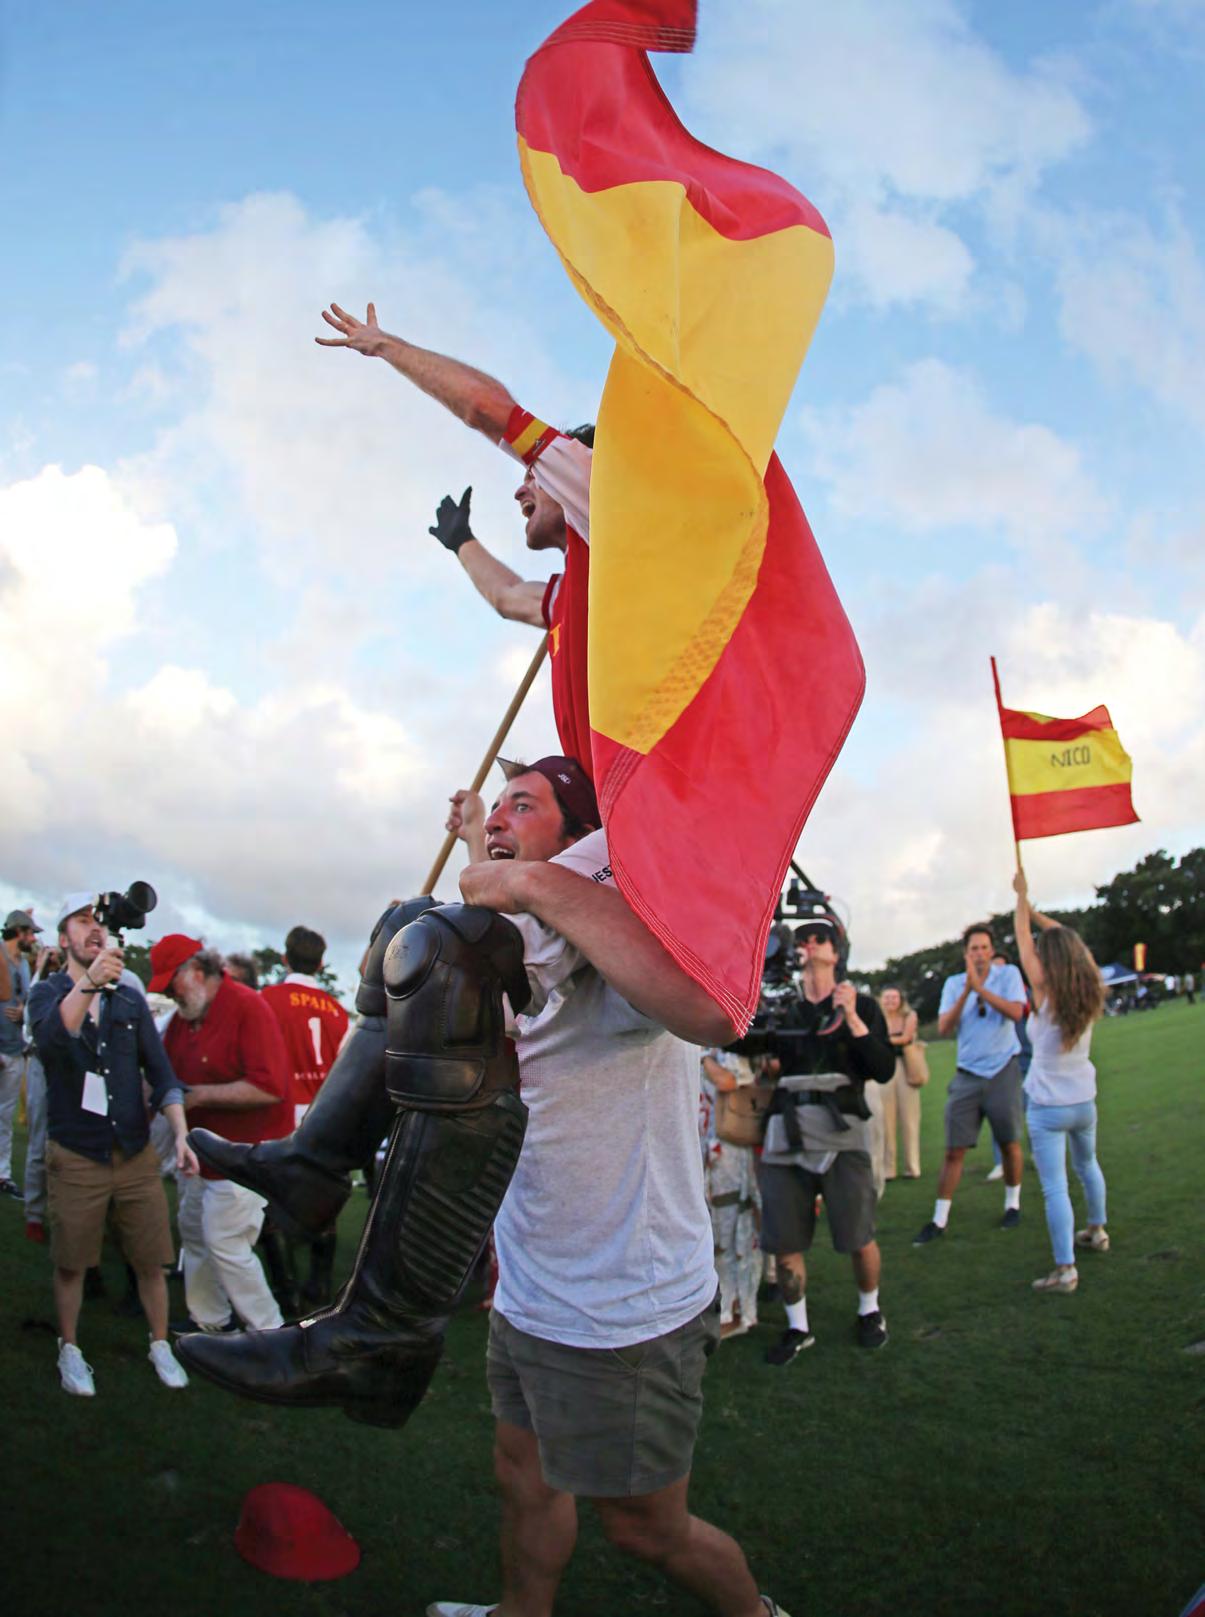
pixel 246 671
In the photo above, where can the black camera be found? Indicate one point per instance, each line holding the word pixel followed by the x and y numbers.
pixel 126 912
pixel 774 1029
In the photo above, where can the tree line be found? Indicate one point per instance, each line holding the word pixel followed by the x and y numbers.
pixel 1161 903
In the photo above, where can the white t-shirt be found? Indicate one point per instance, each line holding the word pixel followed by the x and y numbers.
pixel 1058 1077
pixel 603 1238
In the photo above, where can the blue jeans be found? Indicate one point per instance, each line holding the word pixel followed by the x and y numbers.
pixel 1050 1127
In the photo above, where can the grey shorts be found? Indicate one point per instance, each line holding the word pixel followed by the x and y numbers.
pixel 612 1423
pixel 971 1099
pixel 788 1210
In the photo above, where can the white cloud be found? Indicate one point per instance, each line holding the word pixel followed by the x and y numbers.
pixel 921 842
pixel 327 457
pixel 1133 300
pixel 892 117
pixel 929 453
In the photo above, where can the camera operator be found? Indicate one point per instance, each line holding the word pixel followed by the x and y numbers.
pixel 97 1041
pixel 831 1043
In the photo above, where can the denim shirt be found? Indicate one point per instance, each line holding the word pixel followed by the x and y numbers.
pixel 122 1048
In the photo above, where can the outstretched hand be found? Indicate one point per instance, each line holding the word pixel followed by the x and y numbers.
pixel 452 522
pixel 365 336
pixel 1020 884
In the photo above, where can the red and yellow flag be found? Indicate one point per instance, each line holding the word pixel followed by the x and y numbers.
pixel 723 675
pixel 1064 774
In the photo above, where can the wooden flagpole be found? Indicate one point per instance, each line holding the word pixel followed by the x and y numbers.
pixel 1004 744
pixel 487 762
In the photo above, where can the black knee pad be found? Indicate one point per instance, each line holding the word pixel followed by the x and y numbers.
pixel 445 975
pixel 370 996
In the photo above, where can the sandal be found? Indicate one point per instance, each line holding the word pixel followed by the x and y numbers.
pixel 1058 1280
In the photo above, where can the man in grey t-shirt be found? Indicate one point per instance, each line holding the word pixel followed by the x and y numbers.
pixel 605 1311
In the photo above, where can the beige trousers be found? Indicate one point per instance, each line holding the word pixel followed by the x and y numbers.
pixel 901 1107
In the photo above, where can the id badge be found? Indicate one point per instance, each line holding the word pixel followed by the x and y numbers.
pixel 95 1097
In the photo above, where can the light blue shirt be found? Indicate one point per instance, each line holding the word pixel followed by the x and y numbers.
pixel 985 1043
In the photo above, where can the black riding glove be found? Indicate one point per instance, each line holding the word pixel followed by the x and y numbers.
pixel 452 522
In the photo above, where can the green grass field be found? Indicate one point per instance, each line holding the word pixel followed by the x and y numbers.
pixel 1007 1455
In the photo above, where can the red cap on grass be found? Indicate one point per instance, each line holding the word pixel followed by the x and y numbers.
pixel 167 956
pixel 288 1532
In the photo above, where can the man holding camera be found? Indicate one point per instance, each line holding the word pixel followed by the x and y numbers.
pixel 97 1041
pixel 983 1006
pixel 818 1137
pixel 20 939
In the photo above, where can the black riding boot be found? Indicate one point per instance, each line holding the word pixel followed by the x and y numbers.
pixel 306 1176
pixel 452 1151
pixel 278 1261
pixel 318 1288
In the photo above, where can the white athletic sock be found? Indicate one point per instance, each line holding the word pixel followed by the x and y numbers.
pixel 868 1301
pixel 797 1315
pixel 1012 1197
pixel 941 1212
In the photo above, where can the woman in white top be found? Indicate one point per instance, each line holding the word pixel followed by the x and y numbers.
pixel 1068 996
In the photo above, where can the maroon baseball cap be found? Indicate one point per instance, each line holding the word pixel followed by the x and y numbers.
pixel 569 781
pixel 167 956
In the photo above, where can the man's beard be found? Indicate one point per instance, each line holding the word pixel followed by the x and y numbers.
pixel 191 1002
pixel 83 961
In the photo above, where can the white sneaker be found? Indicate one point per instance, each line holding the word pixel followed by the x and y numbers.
pixel 75 1375
pixel 451 1608
pixel 167 1367
pixel 997 1172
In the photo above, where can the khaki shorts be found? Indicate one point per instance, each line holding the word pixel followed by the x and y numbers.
pixel 611 1423
pixel 81 1191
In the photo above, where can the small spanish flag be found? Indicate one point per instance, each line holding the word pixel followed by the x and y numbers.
pixel 1064 774
pixel 723 673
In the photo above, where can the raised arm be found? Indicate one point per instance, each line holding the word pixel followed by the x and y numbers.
pixel 597 921
pixel 520 600
pixel 1023 917
pixel 480 401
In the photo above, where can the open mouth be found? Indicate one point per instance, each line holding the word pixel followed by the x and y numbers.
pixel 501 853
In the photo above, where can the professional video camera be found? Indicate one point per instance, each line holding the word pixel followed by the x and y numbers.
pixel 770 1033
pixel 125 912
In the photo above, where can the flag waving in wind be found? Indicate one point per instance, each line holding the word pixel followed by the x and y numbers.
pixel 1064 774
pixel 723 675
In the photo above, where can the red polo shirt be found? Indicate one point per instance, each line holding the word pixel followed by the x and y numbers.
pixel 238 1038
pixel 312 1023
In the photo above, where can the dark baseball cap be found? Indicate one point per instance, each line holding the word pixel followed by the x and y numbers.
pixel 569 781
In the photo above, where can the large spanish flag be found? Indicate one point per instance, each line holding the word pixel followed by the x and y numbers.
pixel 723 675
pixel 1064 774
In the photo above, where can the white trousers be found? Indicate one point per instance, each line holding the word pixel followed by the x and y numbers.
pixel 219 1222
pixel 35 1150
pixel 10 1088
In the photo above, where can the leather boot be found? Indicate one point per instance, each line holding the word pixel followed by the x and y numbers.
pixel 278 1261
pixel 452 1151
pixel 305 1177
pixel 318 1288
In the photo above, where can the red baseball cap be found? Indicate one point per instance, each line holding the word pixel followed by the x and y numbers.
pixel 290 1533
pixel 167 956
